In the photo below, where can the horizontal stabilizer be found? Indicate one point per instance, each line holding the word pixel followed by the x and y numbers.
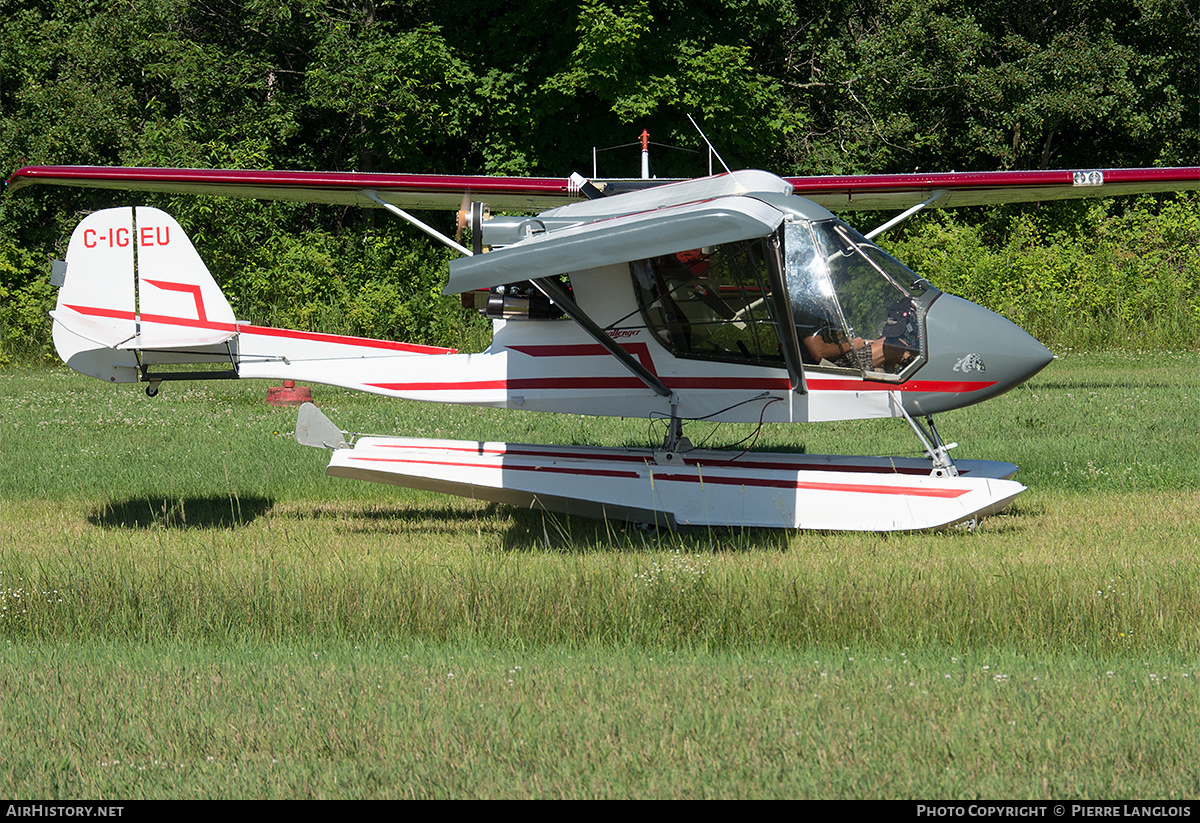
pixel 184 342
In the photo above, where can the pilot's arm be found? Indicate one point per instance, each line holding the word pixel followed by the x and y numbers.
pixel 836 351
pixel 822 349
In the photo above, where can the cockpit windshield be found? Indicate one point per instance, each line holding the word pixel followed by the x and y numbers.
pixel 854 305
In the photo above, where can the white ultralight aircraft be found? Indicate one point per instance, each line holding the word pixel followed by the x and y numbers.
pixel 735 297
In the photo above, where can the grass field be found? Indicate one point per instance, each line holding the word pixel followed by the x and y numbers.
pixel 190 608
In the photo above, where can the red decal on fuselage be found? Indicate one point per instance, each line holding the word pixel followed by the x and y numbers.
pixel 956 386
pixel 265 331
pixel 761 382
pixel 639 350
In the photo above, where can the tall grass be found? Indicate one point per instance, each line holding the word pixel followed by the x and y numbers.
pixel 313 719
pixel 202 613
pixel 198 518
pixel 1026 580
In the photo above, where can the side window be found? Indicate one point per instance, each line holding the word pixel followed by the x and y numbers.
pixel 712 303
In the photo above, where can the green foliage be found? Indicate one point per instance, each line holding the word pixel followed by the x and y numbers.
pixel 656 62
pixel 387 99
pixel 469 87
pixel 1110 278
pixel 906 85
pixel 26 298
pixel 369 284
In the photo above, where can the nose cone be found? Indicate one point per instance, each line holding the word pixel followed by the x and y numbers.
pixel 974 354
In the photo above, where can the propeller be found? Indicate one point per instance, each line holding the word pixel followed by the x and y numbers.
pixel 473 215
pixel 464 216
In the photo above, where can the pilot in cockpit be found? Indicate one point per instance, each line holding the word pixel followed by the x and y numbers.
pixel 825 343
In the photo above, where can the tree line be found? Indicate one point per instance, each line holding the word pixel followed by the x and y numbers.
pixel 462 86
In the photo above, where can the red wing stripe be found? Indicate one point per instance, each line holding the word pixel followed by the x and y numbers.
pixel 257 179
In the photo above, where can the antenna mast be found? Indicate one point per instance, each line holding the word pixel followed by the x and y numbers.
pixel 711 150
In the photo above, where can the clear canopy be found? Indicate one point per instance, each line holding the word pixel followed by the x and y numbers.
pixel 853 306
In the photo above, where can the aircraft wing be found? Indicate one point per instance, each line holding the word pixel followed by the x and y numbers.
pixel 415 191
pixel 898 191
pixel 428 191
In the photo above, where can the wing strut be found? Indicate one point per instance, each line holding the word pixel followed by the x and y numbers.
pixel 563 300
pixel 904 215
pixel 553 291
pixel 403 215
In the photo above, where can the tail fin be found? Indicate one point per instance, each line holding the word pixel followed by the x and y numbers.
pixel 136 293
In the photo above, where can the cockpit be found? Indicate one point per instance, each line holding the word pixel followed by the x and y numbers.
pixel 846 303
